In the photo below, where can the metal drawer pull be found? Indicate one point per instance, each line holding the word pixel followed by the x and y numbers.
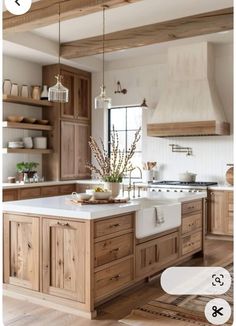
pixel 115 278
pixel 114 225
pixel 63 224
pixel 114 250
pixel 191 207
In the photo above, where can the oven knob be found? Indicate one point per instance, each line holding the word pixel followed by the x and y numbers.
pixel 159 190
pixel 175 190
pixel 181 191
pixel 190 191
pixel 167 190
pixel 153 190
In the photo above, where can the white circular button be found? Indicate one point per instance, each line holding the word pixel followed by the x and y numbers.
pixel 217 311
pixel 18 7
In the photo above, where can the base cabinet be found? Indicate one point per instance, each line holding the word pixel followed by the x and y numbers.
pixel 220 212
pixel 153 255
pixel 21 251
pixel 64 259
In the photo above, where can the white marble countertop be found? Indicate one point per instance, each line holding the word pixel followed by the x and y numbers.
pixel 60 206
pixel 49 183
pixel 222 187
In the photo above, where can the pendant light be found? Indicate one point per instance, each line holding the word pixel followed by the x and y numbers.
pixel 59 93
pixel 102 101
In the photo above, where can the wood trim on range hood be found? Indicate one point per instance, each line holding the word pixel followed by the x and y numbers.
pixel 186 129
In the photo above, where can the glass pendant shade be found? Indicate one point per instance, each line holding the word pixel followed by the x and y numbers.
pixel 102 101
pixel 58 92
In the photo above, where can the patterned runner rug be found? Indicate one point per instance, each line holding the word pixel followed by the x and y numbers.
pixel 176 310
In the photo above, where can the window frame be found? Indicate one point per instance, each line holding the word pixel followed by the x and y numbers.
pixel 109 127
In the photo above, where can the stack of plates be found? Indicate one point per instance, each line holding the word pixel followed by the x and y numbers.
pixel 15 144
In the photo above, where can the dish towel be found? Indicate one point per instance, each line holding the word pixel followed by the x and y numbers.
pixel 159 215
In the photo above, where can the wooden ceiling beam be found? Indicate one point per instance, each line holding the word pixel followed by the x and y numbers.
pixel 190 26
pixel 45 12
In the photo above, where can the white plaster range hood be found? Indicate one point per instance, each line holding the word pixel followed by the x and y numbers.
pixel 190 105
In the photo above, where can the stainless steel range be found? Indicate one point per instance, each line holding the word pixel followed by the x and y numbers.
pixel 179 186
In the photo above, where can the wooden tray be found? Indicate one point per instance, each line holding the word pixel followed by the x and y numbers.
pixel 99 201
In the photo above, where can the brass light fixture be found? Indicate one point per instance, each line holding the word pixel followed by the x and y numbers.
pixel 144 104
pixel 102 101
pixel 119 89
pixel 59 93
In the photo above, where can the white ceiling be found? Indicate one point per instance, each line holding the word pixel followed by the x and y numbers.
pixel 41 45
pixel 136 14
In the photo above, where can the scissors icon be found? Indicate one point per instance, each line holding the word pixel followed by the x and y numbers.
pixel 217 279
pixel 217 311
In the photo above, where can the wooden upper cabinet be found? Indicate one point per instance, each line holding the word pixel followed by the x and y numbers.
pixel 221 212
pixel 82 150
pixel 21 251
pixel 68 147
pixel 79 105
pixel 68 110
pixel 75 153
pixel 64 259
pixel 84 97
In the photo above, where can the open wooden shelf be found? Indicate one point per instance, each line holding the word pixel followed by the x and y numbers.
pixel 25 101
pixel 25 151
pixel 27 126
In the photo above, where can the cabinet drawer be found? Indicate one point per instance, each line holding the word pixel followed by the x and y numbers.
pixel 191 223
pixel 192 206
pixel 113 278
pixel 28 193
pixel 191 243
pixel 66 189
pixel 10 194
pixel 112 249
pixel 49 191
pixel 113 225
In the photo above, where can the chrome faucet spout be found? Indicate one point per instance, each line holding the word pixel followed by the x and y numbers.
pixel 130 187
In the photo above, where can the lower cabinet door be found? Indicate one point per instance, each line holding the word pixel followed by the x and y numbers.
pixel 64 259
pixel 153 255
pixel 21 251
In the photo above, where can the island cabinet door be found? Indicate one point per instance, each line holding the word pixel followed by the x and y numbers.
pixel 64 259
pixel 21 251
pixel 154 255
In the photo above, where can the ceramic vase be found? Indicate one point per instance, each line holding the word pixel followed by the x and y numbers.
pixel 7 87
pixel 44 94
pixel 114 187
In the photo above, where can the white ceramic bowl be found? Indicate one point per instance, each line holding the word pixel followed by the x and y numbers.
pixel 81 196
pixel 102 195
pixel 89 191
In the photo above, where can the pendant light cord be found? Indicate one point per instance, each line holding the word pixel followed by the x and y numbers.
pixel 103 50
pixel 59 32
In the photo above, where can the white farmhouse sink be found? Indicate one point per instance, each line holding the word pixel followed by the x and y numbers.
pixel 156 216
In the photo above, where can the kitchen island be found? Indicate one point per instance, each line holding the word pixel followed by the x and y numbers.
pixel 73 258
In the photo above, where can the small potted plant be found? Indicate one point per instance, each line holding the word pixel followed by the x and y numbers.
pixel 112 168
pixel 26 167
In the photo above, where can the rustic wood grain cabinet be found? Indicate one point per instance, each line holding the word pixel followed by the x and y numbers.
pixel 63 257
pixel 155 254
pixel 71 126
pixel 21 251
pixel 220 212
pixel 78 264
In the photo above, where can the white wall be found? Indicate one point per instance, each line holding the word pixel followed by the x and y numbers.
pixel 146 78
pixel 28 73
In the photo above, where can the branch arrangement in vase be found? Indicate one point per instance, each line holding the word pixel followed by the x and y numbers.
pixel 112 168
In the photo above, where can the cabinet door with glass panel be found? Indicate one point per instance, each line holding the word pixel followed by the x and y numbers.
pixel 126 121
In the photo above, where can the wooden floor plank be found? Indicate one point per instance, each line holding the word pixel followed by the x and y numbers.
pixel 18 313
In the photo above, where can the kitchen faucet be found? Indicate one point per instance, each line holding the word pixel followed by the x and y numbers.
pixel 130 187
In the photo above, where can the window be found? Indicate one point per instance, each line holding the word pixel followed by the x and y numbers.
pixel 126 121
